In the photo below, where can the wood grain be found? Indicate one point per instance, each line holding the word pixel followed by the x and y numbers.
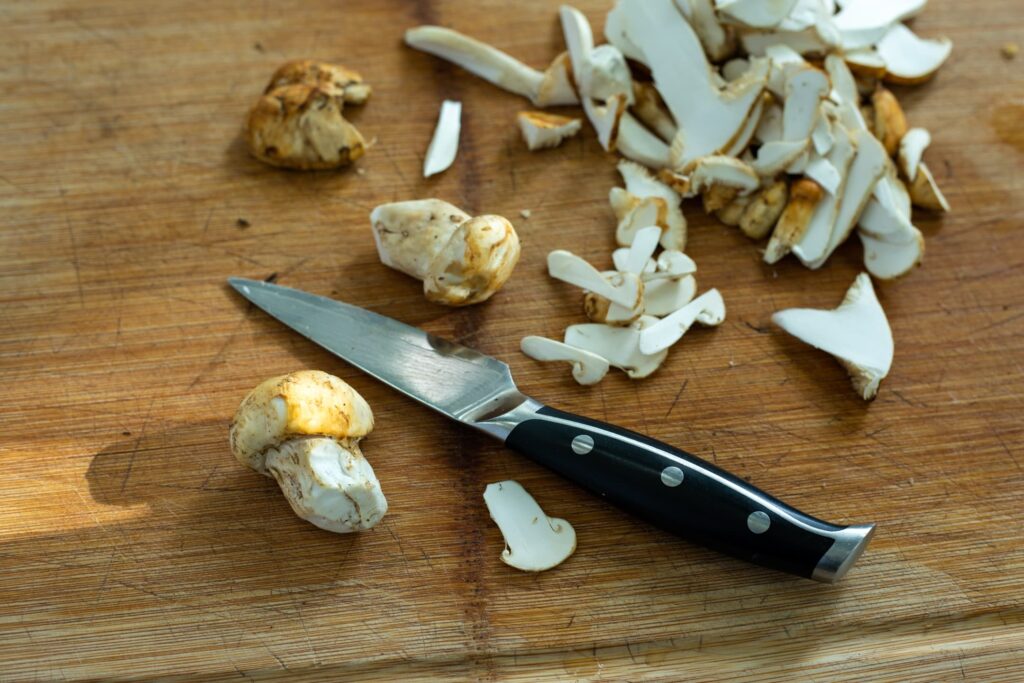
pixel 132 546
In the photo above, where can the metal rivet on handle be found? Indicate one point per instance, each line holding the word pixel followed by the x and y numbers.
pixel 758 522
pixel 582 444
pixel 672 476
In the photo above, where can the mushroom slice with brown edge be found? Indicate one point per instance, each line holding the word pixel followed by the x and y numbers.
pixel 804 196
pixel 890 123
pixel 650 109
pixel 541 130
pixel 925 192
pixel 857 334
pixel 534 542
pixel 909 59
pixel 707 309
pixel 762 212
pixel 300 126
pixel 672 284
pixel 599 73
pixel 553 87
pixel 862 23
pixel 587 368
pixel 461 260
pixel 606 118
pixel 618 345
pixel 641 145
pixel 755 13
pixel 333 79
pixel 911 148
pixel 719 41
pixel 618 296
pixel 303 430
pixel 634 213
pixel 815 239
pixel 708 118
pixel 641 184
pixel 445 143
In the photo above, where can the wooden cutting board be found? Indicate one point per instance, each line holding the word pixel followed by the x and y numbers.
pixel 132 545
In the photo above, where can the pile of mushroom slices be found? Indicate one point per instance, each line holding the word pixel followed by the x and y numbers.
pixel 772 112
pixel 646 304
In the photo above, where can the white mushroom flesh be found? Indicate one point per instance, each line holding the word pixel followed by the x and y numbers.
pixel 542 131
pixel 534 542
pixel 619 345
pixel 707 309
pixel 910 59
pixel 912 146
pixel 445 143
pixel 587 368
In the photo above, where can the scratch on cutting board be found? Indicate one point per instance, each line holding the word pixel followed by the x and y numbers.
pixel 676 399
pixel 74 260
pixel 135 448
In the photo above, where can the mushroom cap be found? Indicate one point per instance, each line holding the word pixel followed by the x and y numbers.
pixel 409 235
pixel 303 403
pixel 333 79
pixel 474 263
pixel 300 126
pixel 328 483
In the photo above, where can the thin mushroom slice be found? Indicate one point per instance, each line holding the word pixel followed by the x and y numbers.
pixel 863 23
pixel 755 13
pixel 650 109
pixel 815 240
pixel 567 267
pixel 804 196
pixel 642 249
pixel 856 333
pixel 820 170
pixel 606 119
pixel 634 213
pixel 542 131
pixel 619 345
pixel 599 73
pixel 445 143
pixel 601 310
pixel 587 368
pixel 719 41
pixel 617 30
pixel 640 183
pixel 909 59
pixel 707 309
pixel 620 259
pixel 672 263
pixel 925 192
pixel 708 118
pixel 888 259
pixel 665 295
pixel 722 171
pixel 912 146
pixel 636 143
pixel 762 212
pixel 534 542
pixel 550 88
pixel 890 123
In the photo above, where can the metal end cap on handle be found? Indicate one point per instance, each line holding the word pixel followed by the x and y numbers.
pixel 847 547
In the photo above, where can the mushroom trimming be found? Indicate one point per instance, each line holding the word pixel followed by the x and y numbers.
pixel 857 333
pixel 461 260
pixel 298 121
pixel 534 542
pixel 303 429
pixel 445 143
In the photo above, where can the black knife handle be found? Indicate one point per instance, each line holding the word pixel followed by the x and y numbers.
pixel 686 495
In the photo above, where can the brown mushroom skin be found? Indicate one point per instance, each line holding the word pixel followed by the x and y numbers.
pixel 474 264
pixel 333 79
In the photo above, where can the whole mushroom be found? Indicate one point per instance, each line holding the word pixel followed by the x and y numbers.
pixel 461 260
pixel 303 429
pixel 298 121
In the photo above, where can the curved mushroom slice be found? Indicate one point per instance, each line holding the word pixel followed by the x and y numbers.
pixel 541 130
pixel 534 542
pixel 672 263
pixel 641 145
pixel 820 170
pixel 805 88
pixel 650 109
pixel 634 213
pixel 925 192
pixel 445 143
pixel 599 73
pixel 606 118
pixel 601 310
pixel 663 296
pixel 720 179
pixel 821 136
pixel 587 368
pixel 862 23
pixel 844 93
pixel 805 41
pixel 746 134
pixel 618 345
pixel 756 13
pixel 865 170
pixel 551 88
pixel 707 309
pixel 857 334
pixel 568 267
pixel 645 241
pixel 912 146
pixel 616 30
pixel 815 239
pixel 718 41
pixel 762 213
pixel 888 259
pixel 804 196
pixel 640 183
pixel 708 118
pixel 865 62
pixel 910 59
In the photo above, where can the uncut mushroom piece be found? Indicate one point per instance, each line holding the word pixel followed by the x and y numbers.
pixel 303 429
pixel 461 260
pixel 298 121
pixel 856 333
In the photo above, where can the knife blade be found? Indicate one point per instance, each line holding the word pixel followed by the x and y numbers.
pixel 663 484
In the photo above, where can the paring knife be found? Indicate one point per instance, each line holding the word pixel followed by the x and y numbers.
pixel 662 484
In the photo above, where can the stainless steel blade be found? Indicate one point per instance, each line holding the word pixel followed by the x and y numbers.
pixel 457 381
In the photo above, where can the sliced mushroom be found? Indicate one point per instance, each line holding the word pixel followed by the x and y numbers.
pixel 925 192
pixel 857 334
pixel 587 368
pixel 804 197
pixel 816 237
pixel 707 309
pixel 708 118
pixel 735 68
pixel 805 41
pixel 642 185
pixel 671 285
pixel 755 13
pixel 862 23
pixel 445 143
pixel 650 109
pixel 550 88
pixel 601 310
pixel 742 140
pixel 720 171
pixel 568 267
pixel 719 41
pixel 634 213
pixel 892 245
pixel 888 259
pixel 866 63
pixel 541 130
pixel 534 542
pixel 912 146
pixel 303 430
pixel 618 345
pixel 890 124
pixel 599 73
pixel 461 260
pixel 606 119
pixel 617 30
pixel 761 214
pixel 910 59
